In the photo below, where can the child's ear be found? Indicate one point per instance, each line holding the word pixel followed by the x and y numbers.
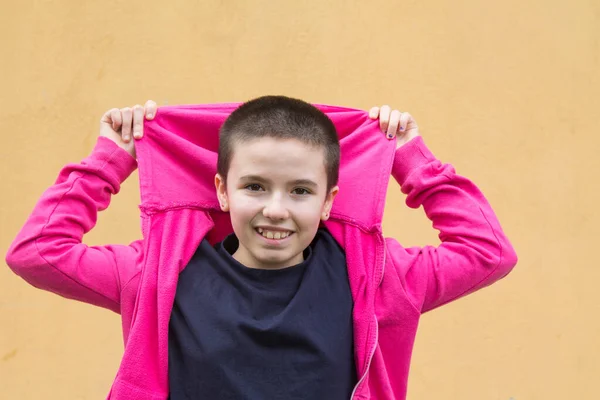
pixel 329 202
pixel 221 188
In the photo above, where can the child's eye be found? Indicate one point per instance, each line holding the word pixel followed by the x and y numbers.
pixel 254 187
pixel 301 191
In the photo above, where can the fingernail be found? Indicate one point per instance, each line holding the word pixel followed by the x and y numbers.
pixel 401 128
pixel 150 115
pixel 390 136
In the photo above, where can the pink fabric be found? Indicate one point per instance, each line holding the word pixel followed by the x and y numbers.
pixel 391 285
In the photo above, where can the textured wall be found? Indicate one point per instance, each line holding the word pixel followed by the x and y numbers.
pixel 507 91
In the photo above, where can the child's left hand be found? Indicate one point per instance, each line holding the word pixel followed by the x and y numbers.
pixel 395 124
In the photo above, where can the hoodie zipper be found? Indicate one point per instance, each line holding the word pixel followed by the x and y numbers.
pixel 374 345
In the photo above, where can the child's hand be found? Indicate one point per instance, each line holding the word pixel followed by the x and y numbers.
pixel 395 123
pixel 119 125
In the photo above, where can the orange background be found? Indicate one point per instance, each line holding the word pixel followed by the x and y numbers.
pixel 508 92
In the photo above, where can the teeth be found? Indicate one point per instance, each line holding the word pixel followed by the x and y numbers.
pixel 273 234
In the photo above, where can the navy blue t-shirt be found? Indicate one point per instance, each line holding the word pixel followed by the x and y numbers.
pixel 243 333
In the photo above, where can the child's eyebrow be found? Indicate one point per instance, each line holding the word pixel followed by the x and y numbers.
pixel 304 182
pixel 257 178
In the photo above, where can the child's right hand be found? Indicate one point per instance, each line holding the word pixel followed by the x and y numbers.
pixel 119 125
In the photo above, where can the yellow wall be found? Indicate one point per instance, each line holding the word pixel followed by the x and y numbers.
pixel 506 91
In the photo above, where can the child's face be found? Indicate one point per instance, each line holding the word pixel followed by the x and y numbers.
pixel 276 194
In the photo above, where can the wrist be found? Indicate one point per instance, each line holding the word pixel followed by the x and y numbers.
pixel 111 154
pixel 409 157
pixel 401 141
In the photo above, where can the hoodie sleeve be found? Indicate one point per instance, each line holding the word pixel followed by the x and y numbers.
pixel 48 251
pixel 474 252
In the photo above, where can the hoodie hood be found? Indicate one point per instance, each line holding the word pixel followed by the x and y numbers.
pixel 180 145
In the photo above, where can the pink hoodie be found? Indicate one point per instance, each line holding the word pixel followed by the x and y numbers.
pixel 391 285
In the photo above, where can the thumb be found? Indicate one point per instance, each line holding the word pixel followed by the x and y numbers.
pixel 112 118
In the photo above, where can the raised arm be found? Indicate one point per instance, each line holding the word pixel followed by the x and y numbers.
pixel 474 251
pixel 48 251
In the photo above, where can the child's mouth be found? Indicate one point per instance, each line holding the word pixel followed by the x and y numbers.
pixel 273 235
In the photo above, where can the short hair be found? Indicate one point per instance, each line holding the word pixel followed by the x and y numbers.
pixel 280 117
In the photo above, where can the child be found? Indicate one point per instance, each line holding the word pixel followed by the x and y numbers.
pixel 279 283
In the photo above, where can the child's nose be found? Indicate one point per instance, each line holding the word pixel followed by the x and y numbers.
pixel 275 210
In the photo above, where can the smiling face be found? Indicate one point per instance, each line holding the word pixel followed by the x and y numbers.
pixel 276 194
